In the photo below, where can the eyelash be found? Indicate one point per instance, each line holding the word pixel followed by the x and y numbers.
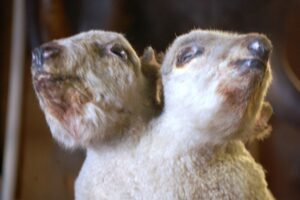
pixel 187 54
pixel 119 51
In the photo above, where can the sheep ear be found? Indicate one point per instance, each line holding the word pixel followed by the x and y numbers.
pixel 150 65
pixel 262 129
pixel 151 70
pixel 150 57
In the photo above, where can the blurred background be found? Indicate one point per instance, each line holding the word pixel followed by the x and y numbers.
pixel 44 170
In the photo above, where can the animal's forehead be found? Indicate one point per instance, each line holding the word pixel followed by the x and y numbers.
pixel 87 41
pixel 101 37
pixel 207 38
pixel 216 40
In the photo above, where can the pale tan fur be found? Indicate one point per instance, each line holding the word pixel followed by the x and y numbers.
pixel 90 95
pixel 193 150
pixel 95 99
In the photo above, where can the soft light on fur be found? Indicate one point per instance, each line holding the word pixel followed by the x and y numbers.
pixel 225 100
pixel 193 150
pixel 88 93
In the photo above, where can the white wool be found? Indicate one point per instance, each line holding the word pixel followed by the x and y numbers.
pixel 193 150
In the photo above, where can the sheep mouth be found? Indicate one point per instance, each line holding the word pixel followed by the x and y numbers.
pixel 61 94
pixel 44 76
pixel 42 79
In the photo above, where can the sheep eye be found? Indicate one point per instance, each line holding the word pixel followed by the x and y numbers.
pixel 119 51
pixel 187 54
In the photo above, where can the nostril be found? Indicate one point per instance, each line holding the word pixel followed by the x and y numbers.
pixel 45 52
pixel 250 63
pixel 260 48
pixel 50 51
pixel 37 58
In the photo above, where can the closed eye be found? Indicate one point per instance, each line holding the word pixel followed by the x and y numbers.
pixel 119 51
pixel 186 54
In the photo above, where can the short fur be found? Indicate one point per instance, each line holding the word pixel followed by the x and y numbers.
pixel 193 150
pixel 88 94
